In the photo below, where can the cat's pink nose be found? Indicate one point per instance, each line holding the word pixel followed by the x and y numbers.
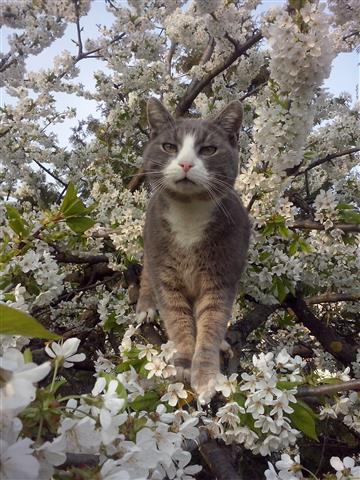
pixel 186 165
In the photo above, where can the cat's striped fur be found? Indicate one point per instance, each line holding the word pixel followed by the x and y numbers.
pixel 196 236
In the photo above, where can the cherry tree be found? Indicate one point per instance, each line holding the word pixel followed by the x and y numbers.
pixel 100 400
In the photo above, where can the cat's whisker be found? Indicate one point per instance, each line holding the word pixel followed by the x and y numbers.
pixel 224 187
pixel 218 202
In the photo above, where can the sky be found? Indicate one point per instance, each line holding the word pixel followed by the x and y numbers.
pixel 344 75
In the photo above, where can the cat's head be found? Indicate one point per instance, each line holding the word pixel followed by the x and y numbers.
pixel 192 156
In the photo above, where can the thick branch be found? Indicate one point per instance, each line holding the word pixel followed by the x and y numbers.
pixel 137 180
pixel 198 85
pixel 65 257
pixel 332 298
pixel 312 225
pixel 326 335
pixel 170 56
pixel 81 459
pixel 218 460
pixel 310 391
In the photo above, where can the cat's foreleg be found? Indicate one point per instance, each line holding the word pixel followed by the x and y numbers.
pixel 212 312
pixel 145 307
pixel 176 313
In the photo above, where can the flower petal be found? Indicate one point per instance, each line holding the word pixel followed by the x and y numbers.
pixel 70 346
pixel 336 463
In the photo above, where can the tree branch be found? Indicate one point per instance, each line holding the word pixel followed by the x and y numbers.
pixel 325 335
pixel 196 86
pixel 310 391
pixel 170 56
pixel 218 460
pixel 332 298
pixel 312 225
pixel 49 172
pixel 328 158
pixel 65 257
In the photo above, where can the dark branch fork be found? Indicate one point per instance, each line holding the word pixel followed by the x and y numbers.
pixel 197 85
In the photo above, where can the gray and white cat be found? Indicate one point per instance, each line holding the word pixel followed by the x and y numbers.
pixel 196 236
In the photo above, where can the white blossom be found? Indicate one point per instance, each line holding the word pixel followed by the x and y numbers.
pixel 66 352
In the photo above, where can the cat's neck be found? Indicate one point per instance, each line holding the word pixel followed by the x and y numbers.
pixel 189 219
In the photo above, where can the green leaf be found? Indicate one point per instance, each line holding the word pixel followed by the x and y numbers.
pixel 80 224
pixel 121 391
pixel 70 197
pixel 284 231
pixel 72 205
pixel 303 418
pixel 16 222
pixel 305 247
pixel 239 398
pixel 350 216
pixel 15 322
pixel 293 248
pixel 268 230
pixel 287 385
pixel 344 206
pixel 148 402
pixel 27 355
pixel 280 288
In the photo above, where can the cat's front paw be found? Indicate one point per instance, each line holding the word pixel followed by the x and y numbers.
pixel 183 368
pixel 203 381
pixel 225 347
pixel 147 315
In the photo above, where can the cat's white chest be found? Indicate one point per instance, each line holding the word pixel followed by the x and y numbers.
pixel 188 221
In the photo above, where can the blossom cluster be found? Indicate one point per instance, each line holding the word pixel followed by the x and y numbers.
pixel 259 417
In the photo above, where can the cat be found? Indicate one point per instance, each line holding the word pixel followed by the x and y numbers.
pixel 196 236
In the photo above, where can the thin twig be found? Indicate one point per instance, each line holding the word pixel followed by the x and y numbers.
pixel 328 158
pixel 49 172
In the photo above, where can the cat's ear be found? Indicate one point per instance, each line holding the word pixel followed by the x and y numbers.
pixel 158 117
pixel 230 118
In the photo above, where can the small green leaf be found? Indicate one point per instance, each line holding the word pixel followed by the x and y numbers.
pixel 287 385
pixel 27 355
pixel 303 418
pixel 80 224
pixel 121 391
pixel 15 322
pixel 239 398
pixel 148 402
pixel 280 289
pixel 284 231
pixel 344 206
pixel 350 216
pixel 305 247
pixel 293 248
pixel 16 222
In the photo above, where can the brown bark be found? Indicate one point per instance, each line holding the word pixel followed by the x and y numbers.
pixel 326 335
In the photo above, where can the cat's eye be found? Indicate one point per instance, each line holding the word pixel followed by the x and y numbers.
pixel 169 147
pixel 207 151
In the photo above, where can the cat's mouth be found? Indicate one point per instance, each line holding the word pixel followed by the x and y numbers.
pixel 185 181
